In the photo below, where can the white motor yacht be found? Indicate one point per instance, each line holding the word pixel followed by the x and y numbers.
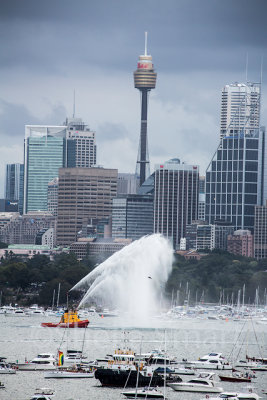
pixel 146 393
pixel 235 396
pixel 44 361
pixel 204 382
pixel 210 361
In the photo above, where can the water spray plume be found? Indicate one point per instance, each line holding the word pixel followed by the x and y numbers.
pixel 131 279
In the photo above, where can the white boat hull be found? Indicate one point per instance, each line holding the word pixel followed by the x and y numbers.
pixel 35 367
pixel 68 374
pixel 183 387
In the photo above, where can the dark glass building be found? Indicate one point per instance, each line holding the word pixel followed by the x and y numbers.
pixel 235 179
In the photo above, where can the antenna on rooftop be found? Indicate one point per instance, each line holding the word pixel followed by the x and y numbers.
pixel 73 104
pixel 145 43
pixel 247 68
pixel 261 69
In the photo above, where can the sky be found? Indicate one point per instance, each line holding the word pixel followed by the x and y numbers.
pixel 50 48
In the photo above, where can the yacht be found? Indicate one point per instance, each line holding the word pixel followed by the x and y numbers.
pixel 44 361
pixel 204 382
pixel 210 361
pixel 69 373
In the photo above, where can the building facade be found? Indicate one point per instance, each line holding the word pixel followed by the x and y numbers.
pixel 52 196
pixel 14 184
pixel 97 247
pixel 132 216
pixel 83 194
pixel 201 199
pixel 241 243
pixel 240 109
pixel 127 183
pixel 260 232
pixel 175 198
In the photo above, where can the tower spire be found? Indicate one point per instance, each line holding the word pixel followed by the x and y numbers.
pixel 145 43
pixel 73 104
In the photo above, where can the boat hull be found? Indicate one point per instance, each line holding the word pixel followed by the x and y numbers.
pixel 194 388
pixel 118 378
pixel 35 367
pixel 233 379
pixel 80 324
pixel 143 395
pixel 68 375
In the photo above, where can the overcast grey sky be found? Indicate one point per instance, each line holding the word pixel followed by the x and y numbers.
pixel 49 48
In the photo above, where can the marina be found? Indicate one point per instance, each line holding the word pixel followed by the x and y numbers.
pixel 186 339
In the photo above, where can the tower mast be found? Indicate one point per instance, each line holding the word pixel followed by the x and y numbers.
pixel 144 79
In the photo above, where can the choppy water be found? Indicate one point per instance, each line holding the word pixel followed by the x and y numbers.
pixel 22 337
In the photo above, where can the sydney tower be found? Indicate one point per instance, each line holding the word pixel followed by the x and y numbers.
pixel 144 80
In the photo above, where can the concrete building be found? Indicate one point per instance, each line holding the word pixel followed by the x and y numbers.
pixel 240 109
pixel 25 251
pixel 83 194
pixel 260 232
pixel 241 243
pixel 23 229
pixel 14 184
pixel 52 196
pixel 9 206
pixel 85 247
pixel 84 140
pixel 132 216
pixel 175 198
pixel 46 237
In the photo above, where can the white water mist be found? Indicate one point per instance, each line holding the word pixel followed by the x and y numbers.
pixel 132 279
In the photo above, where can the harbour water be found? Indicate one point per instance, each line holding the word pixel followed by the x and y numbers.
pixel 22 337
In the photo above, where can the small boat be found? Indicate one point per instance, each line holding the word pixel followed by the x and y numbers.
pixel 209 361
pixel 203 383
pixel 235 396
pixel 43 394
pixel 2 386
pixel 44 361
pixel 5 368
pixel 237 377
pixel 69 319
pixel 146 392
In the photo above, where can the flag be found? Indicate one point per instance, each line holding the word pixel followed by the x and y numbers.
pixel 60 358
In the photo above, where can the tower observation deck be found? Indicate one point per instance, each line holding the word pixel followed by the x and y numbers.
pixel 144 79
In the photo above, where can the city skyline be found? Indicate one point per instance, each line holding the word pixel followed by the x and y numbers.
pixel 194 53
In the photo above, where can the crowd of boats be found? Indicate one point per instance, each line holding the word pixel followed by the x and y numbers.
pixel 145 372
pixel 200 311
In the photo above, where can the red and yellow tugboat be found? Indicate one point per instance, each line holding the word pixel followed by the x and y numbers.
pixel 69 319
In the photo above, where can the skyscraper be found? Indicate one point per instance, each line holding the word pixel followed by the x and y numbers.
pixel 14 184
pixel 175 198
pixel 48 148
pixel 240 109
pixel 144 80
pixel 45 151
pixel 84 140
pixel 235 175
pixel 260 232
pixel 83 194
pixel 132 216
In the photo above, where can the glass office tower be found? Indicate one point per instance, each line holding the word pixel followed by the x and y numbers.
pixel 45 151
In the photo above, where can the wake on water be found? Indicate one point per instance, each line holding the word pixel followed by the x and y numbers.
pixel 131 279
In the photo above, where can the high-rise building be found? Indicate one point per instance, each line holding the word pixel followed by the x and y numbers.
pixel 260 232
pixel 14 184
pixel 235 175
pixel 201 199
pixel 84 141
pixel 52 196
pixel 241 243
pixel 127 183
pixel 175 198
pixel 144 80
pixel 132 216
pixel 83 194
pixel 45 151
pixel 240 109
